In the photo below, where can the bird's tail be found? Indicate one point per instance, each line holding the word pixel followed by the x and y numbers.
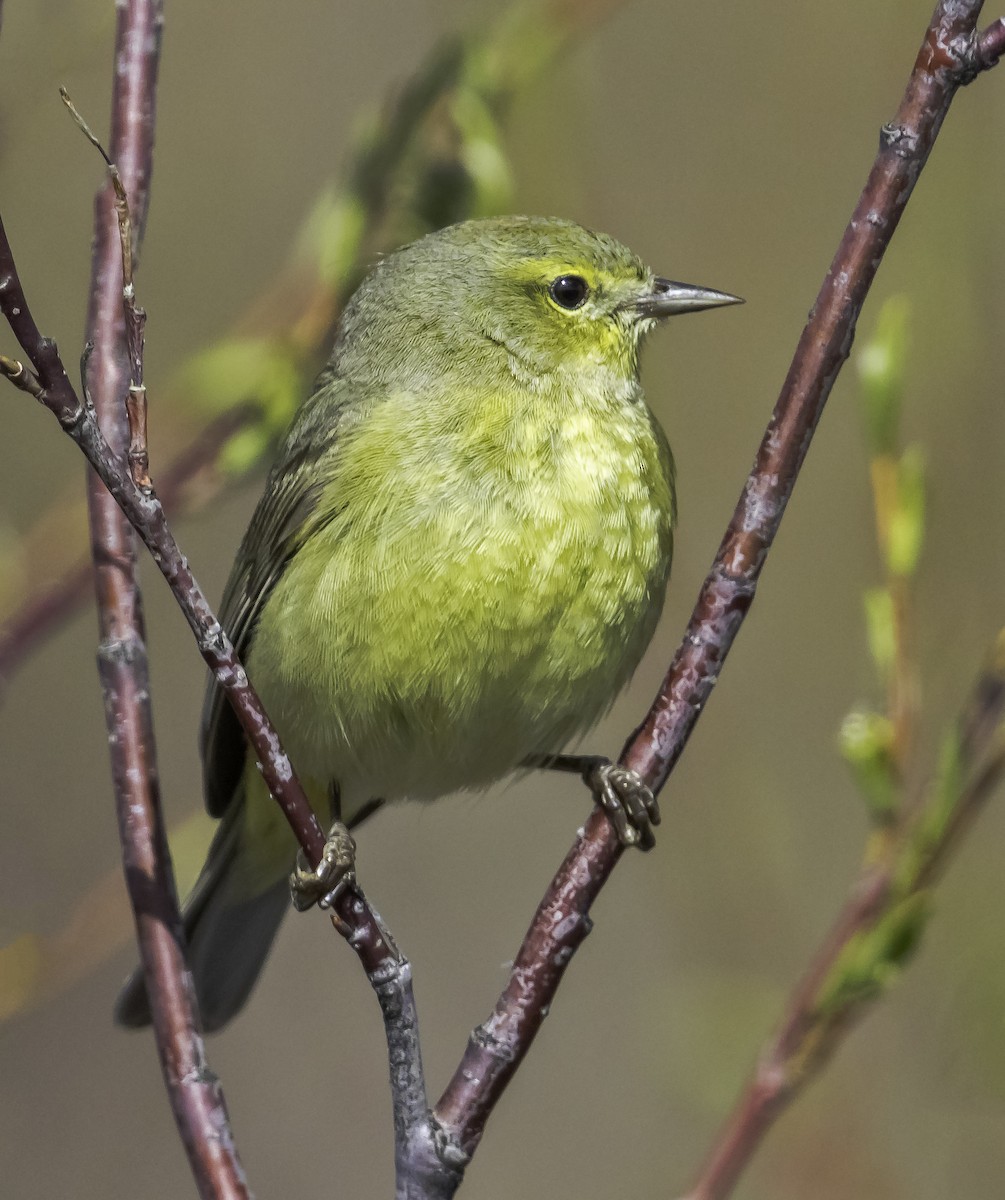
pixel 229 934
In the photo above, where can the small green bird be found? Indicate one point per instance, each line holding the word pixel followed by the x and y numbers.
pixel 459 559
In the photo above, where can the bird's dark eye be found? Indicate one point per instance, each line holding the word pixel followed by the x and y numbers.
pixel 569 291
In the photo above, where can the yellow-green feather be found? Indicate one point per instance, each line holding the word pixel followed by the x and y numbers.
pixel 458 561
pixel 456 611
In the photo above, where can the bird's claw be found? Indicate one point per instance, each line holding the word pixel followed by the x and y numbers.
pixel 628 801
pixel 334 873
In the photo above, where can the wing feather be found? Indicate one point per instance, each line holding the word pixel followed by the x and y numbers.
pixel 286 514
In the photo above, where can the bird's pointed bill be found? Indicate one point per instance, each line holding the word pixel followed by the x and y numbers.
pixel 666 298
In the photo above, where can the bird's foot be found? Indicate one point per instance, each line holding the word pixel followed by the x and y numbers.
pixel 334 873
pixel 628 801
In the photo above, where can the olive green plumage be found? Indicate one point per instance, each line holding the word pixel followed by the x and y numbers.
pixel 459 558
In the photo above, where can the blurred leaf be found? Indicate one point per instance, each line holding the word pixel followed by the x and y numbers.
pixel 241 370
pixel 20 967
pixel 881 630
pixel 244 451
pixel 264 372
pixel 906 527
pixel 881 366
pixel 871 960
pixel 525 39
pixel 866 740
pixel 330 238
pixel 940 803
pixel 898 934
pixel 482 155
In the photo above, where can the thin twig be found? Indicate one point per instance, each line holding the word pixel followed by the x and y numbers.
pixel 22 377
pixel 815 1024
pixel 562 921
pixel 357 921
pixel 991 44
pixel 134 316
pixel 194 1092
pixel 49 606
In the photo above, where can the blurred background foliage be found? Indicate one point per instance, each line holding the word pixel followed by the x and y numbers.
pixel 726 144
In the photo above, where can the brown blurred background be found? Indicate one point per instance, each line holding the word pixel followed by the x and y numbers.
pixel 727 144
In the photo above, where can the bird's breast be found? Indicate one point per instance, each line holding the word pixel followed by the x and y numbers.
pixel 484 591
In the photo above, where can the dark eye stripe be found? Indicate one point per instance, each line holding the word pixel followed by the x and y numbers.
pixel 569 291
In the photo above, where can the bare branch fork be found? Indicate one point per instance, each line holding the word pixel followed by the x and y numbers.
pixel 113 322
pixel 124 676
pixel 195 1094
pixel 432 1148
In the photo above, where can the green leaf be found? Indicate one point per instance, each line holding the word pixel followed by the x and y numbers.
pixel 907 522
pixel 929 830
pixel 259 371
pixel 866 741
pixel 246 450
pixel 881 629
pixel 872 960
pixel 881 367
pixel 331 238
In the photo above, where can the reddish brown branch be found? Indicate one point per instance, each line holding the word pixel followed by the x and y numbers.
pixel 991 45
pixel 497 1047
pixel 195 1095
pixel 775 1081
pixel 812 1029
pixel 123 665
pixel 946 60
pixel 950 56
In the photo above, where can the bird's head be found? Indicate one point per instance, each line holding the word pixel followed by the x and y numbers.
pixel 540 295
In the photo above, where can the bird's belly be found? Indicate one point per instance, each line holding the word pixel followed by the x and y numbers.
pixel 416 675
pixel 433 642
